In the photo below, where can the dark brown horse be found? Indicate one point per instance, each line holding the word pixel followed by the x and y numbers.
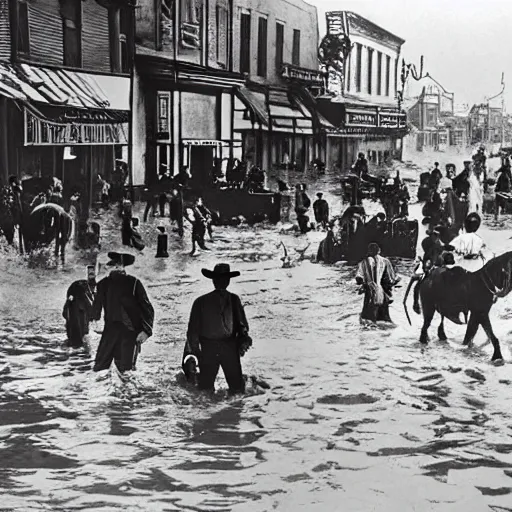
pixel 451 292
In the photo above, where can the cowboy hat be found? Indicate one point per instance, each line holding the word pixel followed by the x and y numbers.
pixel 472 222
pixel 121 258
pixel 220 270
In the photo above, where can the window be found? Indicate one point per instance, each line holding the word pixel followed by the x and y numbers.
pixel 388 73
pixel 379 73
pixel 296 48
pixel 359 64
pixel 279 46
pixel 395 78
pixel 23 40
pixel 71 13
pixel 245 43
pixel 125 30
pixel 222 32
pixel 262 47
pixel 348 73
pixel 370 70
pixel 188 11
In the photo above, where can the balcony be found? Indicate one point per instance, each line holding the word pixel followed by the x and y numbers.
pixel 307 76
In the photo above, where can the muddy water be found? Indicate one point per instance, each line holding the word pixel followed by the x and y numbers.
pixel 357 419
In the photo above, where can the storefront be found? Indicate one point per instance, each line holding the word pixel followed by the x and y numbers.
pixel 373 130
pixel 274 127
pixel 183 118
pixel 64 124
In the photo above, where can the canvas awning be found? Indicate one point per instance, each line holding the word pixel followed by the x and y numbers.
pixel 64 88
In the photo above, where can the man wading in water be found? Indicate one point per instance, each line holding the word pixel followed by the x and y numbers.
pixel 129 316
pixel 378 277
pixel 217 333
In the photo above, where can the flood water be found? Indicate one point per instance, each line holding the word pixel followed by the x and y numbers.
pixel 357 419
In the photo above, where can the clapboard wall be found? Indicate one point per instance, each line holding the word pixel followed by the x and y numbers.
pixel 46 34
pixel 5 33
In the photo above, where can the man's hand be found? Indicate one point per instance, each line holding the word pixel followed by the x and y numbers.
pixel 142 337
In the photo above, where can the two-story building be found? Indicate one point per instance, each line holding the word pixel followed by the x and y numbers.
pixel 275 46
pixel 184 88
pixel 486 123
pixel 364 107
pixel 64 89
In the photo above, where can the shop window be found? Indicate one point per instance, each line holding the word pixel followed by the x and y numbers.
pixel 222 35
pixel 279 46
pixel 262 47
pixel 296 48
pixel 71 13
pixel 245 43
pixel 23 39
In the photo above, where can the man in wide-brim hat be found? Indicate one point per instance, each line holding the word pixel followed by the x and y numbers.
pixel 217 333
pixel 128 315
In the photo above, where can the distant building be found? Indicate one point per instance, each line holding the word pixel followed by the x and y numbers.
pixel 363 107
pixel 485 124
pixel 64 89
pixel 431 109
pixel 275 46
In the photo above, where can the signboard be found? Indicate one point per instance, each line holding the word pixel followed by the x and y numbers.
pixel 375 132
pixel 360 119
pixel 199 142
pixel 305 75
pixel 39 132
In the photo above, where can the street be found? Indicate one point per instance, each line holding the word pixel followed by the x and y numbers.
pixel 362 416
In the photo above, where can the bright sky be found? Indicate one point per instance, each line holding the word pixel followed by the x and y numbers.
pixel 466 44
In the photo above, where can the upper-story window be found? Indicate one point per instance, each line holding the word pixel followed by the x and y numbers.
pixel 359 64
pixel 379 73
pixel 245 43
pixel 296 48
pixel 370 71
pixel 22 34
pixel 262 47
pixel 388 73
pixel 222 34
pixel 190 14
pixel 121 51
pixel 279 46
pixel 71 12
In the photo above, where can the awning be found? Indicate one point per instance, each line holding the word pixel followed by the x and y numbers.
pixel 281 116
pixel 64 88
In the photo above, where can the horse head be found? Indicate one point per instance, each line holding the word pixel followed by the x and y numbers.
pixel 497 275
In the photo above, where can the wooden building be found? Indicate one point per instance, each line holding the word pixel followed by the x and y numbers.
pixel 64 89
pixel 184 88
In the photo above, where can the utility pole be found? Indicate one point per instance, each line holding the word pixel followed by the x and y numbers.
pixel 503 110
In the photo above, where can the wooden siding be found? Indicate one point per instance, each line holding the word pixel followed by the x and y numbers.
pixel 5 32
pixel 45 27
pixel 95 37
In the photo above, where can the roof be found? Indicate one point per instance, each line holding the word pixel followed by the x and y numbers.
pixel 65 88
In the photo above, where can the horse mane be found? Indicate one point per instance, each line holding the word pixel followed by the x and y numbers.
pixel 491 273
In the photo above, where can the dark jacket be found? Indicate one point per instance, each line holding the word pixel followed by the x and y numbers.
pixel 124 300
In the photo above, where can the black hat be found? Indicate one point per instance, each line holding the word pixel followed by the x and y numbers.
pixel 448 258
pixel 436 164
pixel 472 222
pixel 319 194
pixel 467 162
pixel 220 270
pixel 122 258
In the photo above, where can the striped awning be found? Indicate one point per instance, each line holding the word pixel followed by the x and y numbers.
pixel 64 88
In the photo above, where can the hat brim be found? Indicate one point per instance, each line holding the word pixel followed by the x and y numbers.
pixel 124 258
pixel 210 274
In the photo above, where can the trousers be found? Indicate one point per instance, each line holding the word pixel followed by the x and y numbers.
pixel 223 354
pixel 117 344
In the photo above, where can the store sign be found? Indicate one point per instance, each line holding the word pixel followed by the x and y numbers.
pixel 392 120
pixel 45 133
pixel 382 132
pixel 302 74
pixel 368 119
pixel 198 142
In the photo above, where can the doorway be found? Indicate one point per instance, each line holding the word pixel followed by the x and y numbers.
pixel 201 165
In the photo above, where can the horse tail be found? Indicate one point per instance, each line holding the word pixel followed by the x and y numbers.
pixel 405 300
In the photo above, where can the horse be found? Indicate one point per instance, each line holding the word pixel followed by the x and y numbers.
pixel 453 291
pixel 49 222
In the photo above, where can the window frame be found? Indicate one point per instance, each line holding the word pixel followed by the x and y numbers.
pixel 296 47
pixel 388 74
pixel 222 58
pixel 76 30
pixel 369 82
pixel 379 73
pixel 359 66
pixel 262 51
pixel 26 49
pixel 279 60
pixel 245 43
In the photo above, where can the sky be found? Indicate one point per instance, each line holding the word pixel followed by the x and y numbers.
pixel 466 44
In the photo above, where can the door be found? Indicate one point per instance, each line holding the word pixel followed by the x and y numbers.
pixel 201 165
